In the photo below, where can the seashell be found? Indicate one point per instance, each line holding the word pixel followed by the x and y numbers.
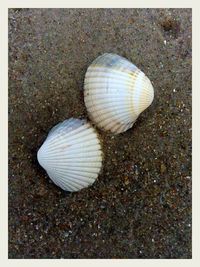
pixel 71 154
pixel 115 93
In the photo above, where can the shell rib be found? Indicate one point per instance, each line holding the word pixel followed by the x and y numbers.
pixel 71 155
pixel 116 92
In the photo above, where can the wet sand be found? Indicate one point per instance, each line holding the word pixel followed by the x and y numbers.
pixel 140 205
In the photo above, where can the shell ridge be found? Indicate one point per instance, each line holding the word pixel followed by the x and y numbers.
pixel 66 134
pixel 73 143
pixel 76 179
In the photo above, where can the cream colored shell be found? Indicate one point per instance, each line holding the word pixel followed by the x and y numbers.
pixel 115 93
pixel 71 155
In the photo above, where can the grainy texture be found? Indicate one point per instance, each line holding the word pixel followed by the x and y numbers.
pixel 140 206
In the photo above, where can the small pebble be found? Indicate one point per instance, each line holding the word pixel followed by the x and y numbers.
pixel 162 168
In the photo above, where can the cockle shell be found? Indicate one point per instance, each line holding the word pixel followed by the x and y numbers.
pixel 116 92
pixel 71 154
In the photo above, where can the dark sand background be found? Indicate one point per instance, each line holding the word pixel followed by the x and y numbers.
pixel 140 206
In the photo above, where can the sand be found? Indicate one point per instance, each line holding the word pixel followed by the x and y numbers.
pixel 140 205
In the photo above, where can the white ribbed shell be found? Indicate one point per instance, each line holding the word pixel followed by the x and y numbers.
pixel 115 93
pixel 71 154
